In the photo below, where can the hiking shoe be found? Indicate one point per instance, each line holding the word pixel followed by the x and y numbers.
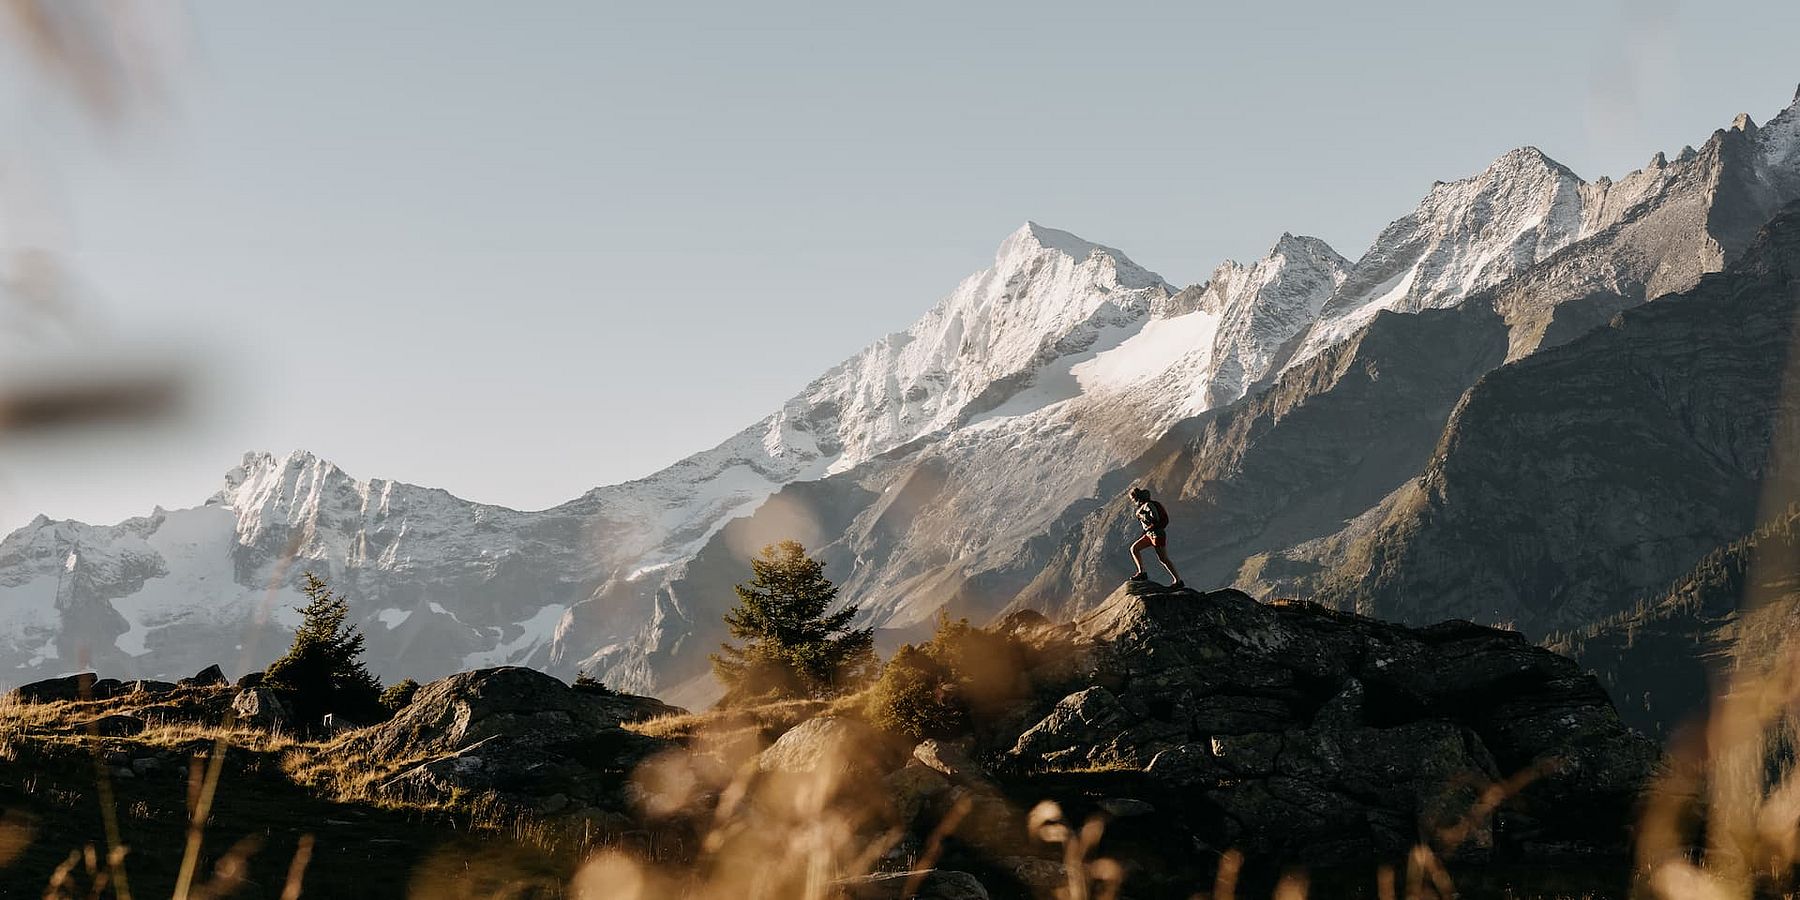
pixel 1141 576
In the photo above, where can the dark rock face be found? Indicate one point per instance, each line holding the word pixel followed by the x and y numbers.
pixel 1569 484
pixel 1286 467
pixel 516 732
pixel 1300 733
pixel 83 686
pixel 207 677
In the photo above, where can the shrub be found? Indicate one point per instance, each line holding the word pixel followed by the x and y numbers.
pixel 399 695
pixel 588 684
pixel 940 688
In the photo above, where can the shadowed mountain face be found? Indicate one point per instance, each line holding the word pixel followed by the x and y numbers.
pixel 1733 616
pixel 1573 482
pixel 1284 410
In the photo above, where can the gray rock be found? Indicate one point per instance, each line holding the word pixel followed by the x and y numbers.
pixel 519 703
pixel 1247 754
pixel 1085 717
pixel 1326 737
pixel 952 759
pixel 1184 765
pixel 261 707
pixel 518 734
pixel 55 690
pixel 831 743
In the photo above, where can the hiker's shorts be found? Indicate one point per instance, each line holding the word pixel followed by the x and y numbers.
pixel 1158 539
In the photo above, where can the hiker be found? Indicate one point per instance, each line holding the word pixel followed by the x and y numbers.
pixel 1155 520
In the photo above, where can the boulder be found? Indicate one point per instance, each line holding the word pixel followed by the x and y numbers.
pixel 250 680
pixel 210 676
pixel 1085 717
pixel 831 744
pixel 948 757
pixel 261 707
pixel 56 690
pixel 933 884
pixel 522 704
pixel 516 733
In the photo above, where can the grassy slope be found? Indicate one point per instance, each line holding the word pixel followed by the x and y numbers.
pixel 63 782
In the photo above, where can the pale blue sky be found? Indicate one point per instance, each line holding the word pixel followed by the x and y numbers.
pixel 519 250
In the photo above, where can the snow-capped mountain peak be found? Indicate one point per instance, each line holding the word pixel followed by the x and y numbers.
pixel 1028 244
pixel 1465 235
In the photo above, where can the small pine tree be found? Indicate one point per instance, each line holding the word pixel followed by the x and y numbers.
pixel 795 647
pixel 588 684
pixel 323 671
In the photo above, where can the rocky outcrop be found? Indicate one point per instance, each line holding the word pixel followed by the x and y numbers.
pixel 529 739
pixel 1296 732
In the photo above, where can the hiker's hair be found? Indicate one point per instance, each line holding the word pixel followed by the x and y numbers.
pixel 1140 493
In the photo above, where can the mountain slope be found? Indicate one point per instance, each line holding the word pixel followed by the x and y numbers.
pixel 1734 614
pixel 1571 482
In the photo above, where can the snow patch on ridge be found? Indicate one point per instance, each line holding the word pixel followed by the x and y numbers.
pixel 534 632
pixel 1149 353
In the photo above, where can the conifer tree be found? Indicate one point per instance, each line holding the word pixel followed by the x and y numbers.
pixel 795 646
pixel 323 671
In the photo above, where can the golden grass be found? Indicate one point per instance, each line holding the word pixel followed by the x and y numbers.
pixel 769 717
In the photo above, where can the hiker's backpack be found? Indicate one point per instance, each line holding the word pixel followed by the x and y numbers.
pixel 1159 517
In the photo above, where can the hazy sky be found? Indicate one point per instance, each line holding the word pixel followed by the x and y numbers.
pixel 519 250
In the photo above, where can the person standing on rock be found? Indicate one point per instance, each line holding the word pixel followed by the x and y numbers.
pixel 1155 520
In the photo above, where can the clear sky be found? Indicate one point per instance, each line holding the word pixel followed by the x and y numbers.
pixel 520 250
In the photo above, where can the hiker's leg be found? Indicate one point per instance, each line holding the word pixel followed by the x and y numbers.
pixel 1136 546
pixel 1163 555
